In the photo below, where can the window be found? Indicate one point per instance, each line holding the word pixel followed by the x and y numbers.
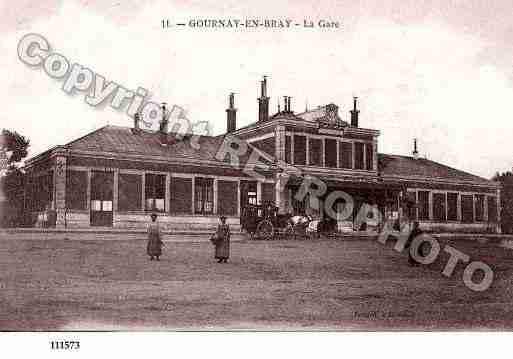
pixel 358 155
pixel 96 205
pixel 492 209
pixel 102 191
pixel 248 192
pixel 227 197
pixel 410 208
pixel 155 192
pixel 204 195
pixel 452 206
pixel 299 150
pixel 76 190
pixel 43 194
pixel 439 207
pixel 181 195
pixel 479 198
pixel 369 156
pixel 346 154
pixel 423 205
pixel 330 152
pixel 288 149
pixel 467 208
pixel 129 192
pixel 315 152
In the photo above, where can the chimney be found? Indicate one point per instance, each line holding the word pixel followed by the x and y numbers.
pixel 137 118
pixel 163 126
pixel 289 105
pixel 164 122
pixel 263 102
pixel 231 115
pixel 354 114
pixel 415 152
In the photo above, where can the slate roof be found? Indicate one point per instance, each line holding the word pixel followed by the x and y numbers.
pixel 124 140
pixel 127 141
pixel 405 166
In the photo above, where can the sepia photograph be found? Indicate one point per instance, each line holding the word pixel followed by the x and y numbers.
pixel 267 167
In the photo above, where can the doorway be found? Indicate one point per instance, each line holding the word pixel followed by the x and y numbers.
pixel 101 198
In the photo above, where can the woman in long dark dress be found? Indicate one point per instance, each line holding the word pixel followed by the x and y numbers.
pixel 154 248
pixel 222 241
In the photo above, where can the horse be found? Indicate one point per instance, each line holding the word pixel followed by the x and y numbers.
pixel 303 225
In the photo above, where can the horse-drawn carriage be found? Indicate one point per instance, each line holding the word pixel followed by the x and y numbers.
pixel 264 222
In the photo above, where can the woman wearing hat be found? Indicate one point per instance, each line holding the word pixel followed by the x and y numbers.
pixel 222 241
pixel 154 248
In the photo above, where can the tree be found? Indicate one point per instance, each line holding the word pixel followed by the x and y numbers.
pixel 13 149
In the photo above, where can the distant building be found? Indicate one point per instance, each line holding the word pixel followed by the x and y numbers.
pixel 115 176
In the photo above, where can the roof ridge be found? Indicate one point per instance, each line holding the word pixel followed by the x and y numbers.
pixel 86 135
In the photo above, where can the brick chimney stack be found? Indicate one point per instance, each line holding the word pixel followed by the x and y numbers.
pixel 354 113
pixel 231 115
pixel 137 119
pixel 164 122
pixel 415 152
pixel 263 102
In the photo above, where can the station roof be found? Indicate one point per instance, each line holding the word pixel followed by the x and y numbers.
pixel 124 140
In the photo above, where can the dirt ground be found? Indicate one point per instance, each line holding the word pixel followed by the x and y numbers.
pixel 57 284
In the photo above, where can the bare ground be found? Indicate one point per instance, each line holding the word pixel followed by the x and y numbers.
pixel 57 284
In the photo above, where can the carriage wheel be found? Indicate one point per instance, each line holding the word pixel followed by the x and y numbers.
pixel 288 232
pixel 265 230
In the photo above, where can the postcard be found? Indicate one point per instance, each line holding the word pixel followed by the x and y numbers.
pixel 228 167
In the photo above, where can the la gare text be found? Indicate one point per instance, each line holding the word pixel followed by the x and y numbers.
pixel 252 23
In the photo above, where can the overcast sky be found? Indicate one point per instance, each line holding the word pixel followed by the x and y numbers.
pixel 437 70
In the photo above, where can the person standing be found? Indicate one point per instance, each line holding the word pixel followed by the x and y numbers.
pixel 222 241
pixel 154 247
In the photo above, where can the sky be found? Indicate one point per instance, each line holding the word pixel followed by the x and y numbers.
pixel 439 71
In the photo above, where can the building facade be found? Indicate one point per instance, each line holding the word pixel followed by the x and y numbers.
pixel 116 176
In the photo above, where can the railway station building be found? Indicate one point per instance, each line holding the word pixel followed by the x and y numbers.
pixel 116 176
